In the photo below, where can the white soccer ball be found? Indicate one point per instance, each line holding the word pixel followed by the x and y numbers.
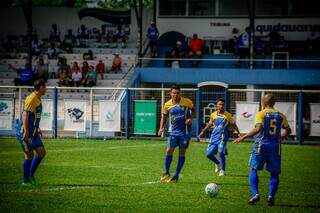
pixel 211 189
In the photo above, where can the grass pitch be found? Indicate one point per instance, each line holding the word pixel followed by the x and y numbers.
pixel 123 176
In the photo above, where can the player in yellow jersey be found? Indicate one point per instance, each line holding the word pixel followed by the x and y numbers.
pixel 180 112
pixel 220 121
pixel 267 147
pixel 29 134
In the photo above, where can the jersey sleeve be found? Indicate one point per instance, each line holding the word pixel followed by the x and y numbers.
pixel 188 103
pixel 230 118
pixel 165 109
pixel 259 118
pixel 285 123
pixel 30 104
pixel 212 117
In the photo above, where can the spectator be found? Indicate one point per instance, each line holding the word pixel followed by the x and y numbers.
pixel 90 78
pixel 120 35
pixel 25 75
pixel 53 51
pixel 41 70
pixel 176 52
pixel 88 55
pixel 64 78
pixel 196 49
pixel 54 35
pixel 85 68
pixel 100 68
pixel 274 37
pixel 243 46
pixel 69 41
pixel 153 34
pixel 76 77
pixel 116 63
pixel 233 41
pixel 75 67
pixel 83 36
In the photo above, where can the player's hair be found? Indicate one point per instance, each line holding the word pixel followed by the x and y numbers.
pixel 220 99
pixel 175 86
pixel 269 100
pixel 39 83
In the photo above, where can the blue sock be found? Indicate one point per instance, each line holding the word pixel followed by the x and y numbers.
pixel 179 165
pixel 168 161
pixel 222 161
pixel 273 185
pixel 254 180
pixel 213 159
pixel 26 170
pixel 34 165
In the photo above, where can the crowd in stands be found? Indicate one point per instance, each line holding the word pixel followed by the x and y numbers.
pixel 56 43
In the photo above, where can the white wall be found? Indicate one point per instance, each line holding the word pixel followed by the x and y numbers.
pixel 222 27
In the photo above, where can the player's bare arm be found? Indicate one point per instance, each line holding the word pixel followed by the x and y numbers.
pixel 162 122
pixel 252 132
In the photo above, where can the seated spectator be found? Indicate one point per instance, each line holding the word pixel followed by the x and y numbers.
pixel 90 78
pixel 88 55
pixel 41 70
pixel 54 35
pixel 76 77
pixel 153 35
pixel 196 47
pixel 53 51
pixel 75 67
pixel 69 41
pixel 120 36
pixel 176 52
pixel 243 46
pixel 25 75
pixel 100 68
pixel 64 78
pixel 116 63
pixel 85 68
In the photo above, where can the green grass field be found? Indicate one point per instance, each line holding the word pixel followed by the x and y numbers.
pixel 123 176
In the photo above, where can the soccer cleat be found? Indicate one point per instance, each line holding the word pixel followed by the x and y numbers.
pixel 173 179
pixel 32 181
pixel 165 177
pixel 254 199
pixel 26 184
pixel 270 201
pixel 216 169
pixel 222 173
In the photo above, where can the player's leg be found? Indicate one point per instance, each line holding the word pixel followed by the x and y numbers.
pixel 183 145
pixel 28 155
pixel 257 161
pixel 171 144
pixel 212 149
pixel 274 167
pixel 41 152
pixel 222 149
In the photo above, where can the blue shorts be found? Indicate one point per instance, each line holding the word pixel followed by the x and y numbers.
pixel 214 148
pixel 181 141
pixel 265 156
pixel 34 143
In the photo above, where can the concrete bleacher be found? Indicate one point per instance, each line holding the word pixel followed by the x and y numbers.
pixel 124 51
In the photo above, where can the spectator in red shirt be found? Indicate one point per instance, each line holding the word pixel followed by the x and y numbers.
pixel 75 67
pixel 100 68
pixel 85 68
pixel 196 46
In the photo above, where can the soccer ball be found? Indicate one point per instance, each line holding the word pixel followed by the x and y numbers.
pixel 211 189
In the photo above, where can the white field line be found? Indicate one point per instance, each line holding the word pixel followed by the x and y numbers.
pixel 88 149
pixel 67 188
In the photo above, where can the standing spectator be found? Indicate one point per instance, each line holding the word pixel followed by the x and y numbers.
pixel 25 75
pixel 90 78
pixel 76 78
pixel 100 68
pixel 233 41
pixel 196 49
pixel 54 34
pixel 85 68
pixel 69 41
pixel 116 63
pixel 243 46
pixel 41 70
pixel 153 34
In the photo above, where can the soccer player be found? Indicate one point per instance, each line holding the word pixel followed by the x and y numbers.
pixel 29 133
pixel 267 147
pixel 180 111
pixel 221 121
